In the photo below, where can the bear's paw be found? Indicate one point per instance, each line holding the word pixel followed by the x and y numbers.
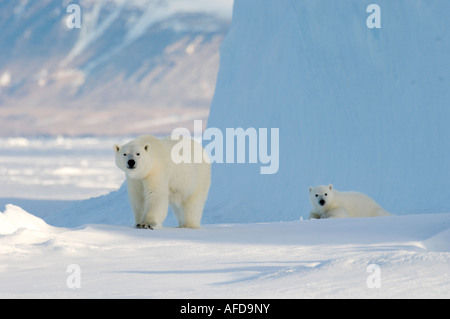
pixel 144 226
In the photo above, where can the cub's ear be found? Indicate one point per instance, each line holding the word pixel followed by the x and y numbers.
pixel 330 187
pixel 116 148
pixel 310 189
pixel 146 147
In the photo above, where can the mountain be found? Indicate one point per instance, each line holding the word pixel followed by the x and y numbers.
pixel 140 66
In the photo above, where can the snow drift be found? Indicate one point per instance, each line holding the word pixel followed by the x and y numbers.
pixel 364 109
pixel 15 218
pixel 300 259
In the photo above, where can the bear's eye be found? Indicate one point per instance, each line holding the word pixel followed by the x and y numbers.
pixel 317 195
pixel 137 154
pixel 326 194
pixel 124 154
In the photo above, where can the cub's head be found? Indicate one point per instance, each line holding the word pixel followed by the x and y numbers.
pixel 133 158
pixel 321 196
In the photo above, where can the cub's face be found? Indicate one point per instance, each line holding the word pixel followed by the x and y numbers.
pixel 133 159
pixel 321 196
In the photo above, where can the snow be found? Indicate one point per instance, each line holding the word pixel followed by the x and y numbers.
pixel 255 241
pixel 297 259
pixel 286 259
pixel 58 168
pixel 43 238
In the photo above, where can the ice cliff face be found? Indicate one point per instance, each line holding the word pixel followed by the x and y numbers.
pixel 363 108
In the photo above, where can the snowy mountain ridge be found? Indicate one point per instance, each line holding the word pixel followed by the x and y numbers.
pixel 149 59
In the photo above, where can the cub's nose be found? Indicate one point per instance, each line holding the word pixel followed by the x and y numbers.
pixel 131 163
pixel 322 202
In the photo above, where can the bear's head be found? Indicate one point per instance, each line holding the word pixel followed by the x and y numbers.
pixel 321 196
pixel 133 158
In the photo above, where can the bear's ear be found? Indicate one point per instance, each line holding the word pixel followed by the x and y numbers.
pixel 330 187
pixel 310 189
pixel 116 148
pixel 146 147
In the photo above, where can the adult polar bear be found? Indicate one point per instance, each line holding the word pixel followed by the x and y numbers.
pixel 154 180
pixel 330 203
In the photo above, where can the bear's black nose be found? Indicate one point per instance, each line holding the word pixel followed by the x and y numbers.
pixel 321 202
pixel 131 163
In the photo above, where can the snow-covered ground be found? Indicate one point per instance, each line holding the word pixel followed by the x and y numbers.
pixel 386 257
pixel 91 249
pixel 320 76
pixel 58 168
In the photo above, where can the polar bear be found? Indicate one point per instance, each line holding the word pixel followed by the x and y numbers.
pixel 154 180
pixel 330 203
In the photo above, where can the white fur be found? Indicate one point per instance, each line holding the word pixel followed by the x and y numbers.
pixel 155 181
pixel 330 203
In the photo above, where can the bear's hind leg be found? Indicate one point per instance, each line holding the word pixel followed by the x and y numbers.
pixel 381 212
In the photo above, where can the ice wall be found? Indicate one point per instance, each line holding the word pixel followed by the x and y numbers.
pixel 364 109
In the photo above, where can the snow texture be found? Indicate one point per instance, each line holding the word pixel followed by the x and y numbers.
pixel 298 259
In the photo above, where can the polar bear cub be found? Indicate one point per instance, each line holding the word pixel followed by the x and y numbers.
pixel 154 180
pixel 330 203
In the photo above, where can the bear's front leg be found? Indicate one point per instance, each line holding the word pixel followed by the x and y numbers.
pixel 336 213
pixel 136 198
pixel 314 215
pixel 156 205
